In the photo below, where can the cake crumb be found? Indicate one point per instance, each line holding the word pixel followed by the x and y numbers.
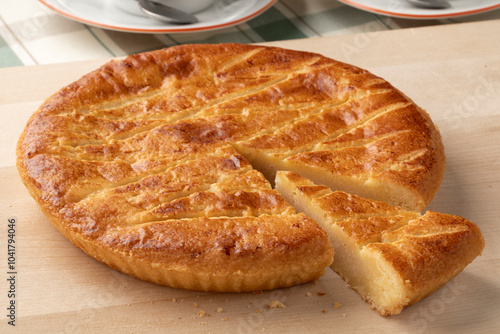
pixel 201 313
pixel 308 294
pixel 276 304
pixel 174 300
pixel 337 305
pixel 321 294
pixel 195 305
pixel 344 315
pixel 220 309
pixel 225 319
pixel 323 311
pixel 258 311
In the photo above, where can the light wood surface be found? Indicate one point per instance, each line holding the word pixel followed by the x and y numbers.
pixel 451 71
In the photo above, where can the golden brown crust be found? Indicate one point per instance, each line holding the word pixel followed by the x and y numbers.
pixel 430 250
pixel 150 139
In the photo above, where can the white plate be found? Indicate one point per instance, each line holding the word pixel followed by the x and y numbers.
pixel 106 14
pixel 401 8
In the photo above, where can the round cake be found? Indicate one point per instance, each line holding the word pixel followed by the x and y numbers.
pixel 161 165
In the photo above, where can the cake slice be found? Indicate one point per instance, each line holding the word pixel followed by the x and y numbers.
pixel 391 257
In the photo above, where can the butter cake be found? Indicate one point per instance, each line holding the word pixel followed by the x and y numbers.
pixel 156 164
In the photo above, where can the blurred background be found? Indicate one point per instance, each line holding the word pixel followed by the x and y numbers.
pixel 53 31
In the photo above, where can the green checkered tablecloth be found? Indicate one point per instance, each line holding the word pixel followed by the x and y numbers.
pixel 31 33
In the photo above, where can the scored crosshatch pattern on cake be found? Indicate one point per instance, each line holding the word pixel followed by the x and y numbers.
pixel 152 164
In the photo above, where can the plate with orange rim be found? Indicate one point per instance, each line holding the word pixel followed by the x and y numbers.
pixel 108 14
pixel 402 8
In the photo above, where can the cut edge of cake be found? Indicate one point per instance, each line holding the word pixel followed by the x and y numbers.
pixel 367 186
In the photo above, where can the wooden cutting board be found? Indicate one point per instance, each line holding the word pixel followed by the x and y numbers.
pixel 452 71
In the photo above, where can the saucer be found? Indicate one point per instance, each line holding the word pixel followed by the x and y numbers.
pixel 108 15
pixel 402 9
